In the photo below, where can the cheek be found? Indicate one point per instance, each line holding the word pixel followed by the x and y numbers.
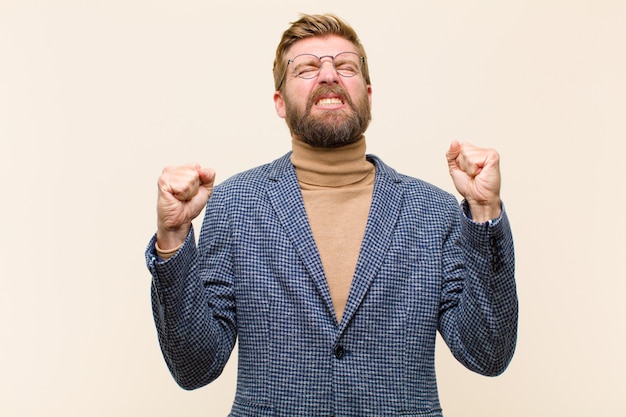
pixel 295 100
pixel 360 90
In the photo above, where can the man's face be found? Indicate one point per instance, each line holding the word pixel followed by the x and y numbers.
pixel 328 110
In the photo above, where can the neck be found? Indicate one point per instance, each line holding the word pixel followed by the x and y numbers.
pixel 330 167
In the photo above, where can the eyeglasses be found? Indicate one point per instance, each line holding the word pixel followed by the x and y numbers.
pixel 307 66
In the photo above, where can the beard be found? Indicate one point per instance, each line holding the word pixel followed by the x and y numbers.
pixel 331 129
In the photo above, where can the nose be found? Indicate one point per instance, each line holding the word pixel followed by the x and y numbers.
pixel 328 74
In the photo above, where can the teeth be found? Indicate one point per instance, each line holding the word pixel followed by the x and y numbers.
pixel 329 101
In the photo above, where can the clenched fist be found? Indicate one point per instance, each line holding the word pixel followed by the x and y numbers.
pixel 476 175
pixel 183 193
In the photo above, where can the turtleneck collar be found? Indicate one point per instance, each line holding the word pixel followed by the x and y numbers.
pixel 331 167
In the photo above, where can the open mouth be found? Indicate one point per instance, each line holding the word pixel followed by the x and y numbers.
pixel 329 102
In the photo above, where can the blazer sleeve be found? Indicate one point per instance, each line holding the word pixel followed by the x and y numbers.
pixel 479 305
pixel 193 302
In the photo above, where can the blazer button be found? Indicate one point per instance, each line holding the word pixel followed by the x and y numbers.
pixel 339 352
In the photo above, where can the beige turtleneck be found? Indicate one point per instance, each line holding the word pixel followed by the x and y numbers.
pixel 337 186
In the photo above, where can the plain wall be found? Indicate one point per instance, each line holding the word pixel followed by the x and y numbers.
pixel 97 96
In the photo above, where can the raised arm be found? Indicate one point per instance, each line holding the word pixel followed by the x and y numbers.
pixel 479 309
pixel 192 295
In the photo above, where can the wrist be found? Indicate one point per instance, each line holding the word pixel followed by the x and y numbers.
pixel 483 212
pixel 171 239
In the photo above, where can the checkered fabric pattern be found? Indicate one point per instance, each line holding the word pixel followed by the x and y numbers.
pixel 256 276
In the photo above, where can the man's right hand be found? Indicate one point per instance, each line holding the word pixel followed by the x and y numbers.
pixel 183 193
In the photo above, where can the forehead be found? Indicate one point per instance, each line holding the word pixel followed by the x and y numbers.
pixel 321 46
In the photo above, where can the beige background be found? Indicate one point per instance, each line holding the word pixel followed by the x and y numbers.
pixel 97 96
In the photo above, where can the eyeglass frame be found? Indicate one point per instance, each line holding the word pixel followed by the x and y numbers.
pixel 332 58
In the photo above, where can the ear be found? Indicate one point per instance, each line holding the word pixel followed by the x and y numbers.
pixel 369 94
pixel 279 104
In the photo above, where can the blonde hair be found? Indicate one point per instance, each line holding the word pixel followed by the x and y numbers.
pixel 310 26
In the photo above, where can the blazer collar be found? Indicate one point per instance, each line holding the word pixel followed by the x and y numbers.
pixel 286 197
pixel 381 222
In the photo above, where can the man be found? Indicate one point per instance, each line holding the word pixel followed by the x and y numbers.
pixel 333 271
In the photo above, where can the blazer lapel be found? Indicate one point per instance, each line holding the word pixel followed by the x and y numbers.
pixel 384 212
pixel 285 195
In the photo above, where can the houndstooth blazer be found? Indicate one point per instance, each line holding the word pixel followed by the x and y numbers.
pixel 256 277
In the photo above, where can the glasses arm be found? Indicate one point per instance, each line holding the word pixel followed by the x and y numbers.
pixel 282 79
